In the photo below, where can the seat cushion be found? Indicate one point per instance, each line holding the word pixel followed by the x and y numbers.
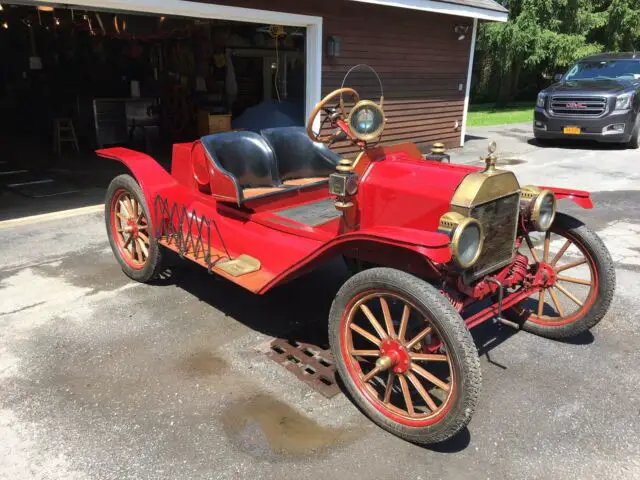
pixel 297 156
pixel 249 193
pixel 245 155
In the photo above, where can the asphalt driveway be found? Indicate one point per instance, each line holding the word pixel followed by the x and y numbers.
pixel 101 377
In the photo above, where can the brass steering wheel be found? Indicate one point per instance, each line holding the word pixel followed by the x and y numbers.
pixel 331 114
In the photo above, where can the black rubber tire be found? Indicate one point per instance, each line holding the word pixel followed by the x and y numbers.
pixel 154 263
pixel 544 142
pixel 453 331
pixel 634 143
pixel 606 282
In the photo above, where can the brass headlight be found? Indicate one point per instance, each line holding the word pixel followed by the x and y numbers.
pixel 367 120
pixel 466 238
pixel 539 207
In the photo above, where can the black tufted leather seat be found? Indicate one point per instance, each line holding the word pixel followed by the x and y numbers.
pixel 245 155
pixel 298 157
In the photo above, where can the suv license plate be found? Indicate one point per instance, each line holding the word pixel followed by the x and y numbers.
pixel 572 130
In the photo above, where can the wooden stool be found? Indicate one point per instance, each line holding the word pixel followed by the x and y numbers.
pixel 63 131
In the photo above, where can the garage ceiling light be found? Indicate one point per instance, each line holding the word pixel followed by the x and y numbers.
pixel 45 8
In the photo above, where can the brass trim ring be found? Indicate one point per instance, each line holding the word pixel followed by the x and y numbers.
pixel 378 131
pixel 454 224
pixel 536 205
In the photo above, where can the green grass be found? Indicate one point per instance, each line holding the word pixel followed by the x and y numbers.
pixel 488 114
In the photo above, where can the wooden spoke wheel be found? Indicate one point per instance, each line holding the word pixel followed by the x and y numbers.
pixel 131 229
pixel 405 355
pixel 130 233
pixel 579 280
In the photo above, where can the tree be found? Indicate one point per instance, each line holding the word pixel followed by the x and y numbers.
pixel 545 36
pixel 623 25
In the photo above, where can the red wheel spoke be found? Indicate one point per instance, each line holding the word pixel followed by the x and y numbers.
pixel 130 209
pixel 418 337
pixel 389 388
pixel 374 322
pixel 532 248
pixel 574 280
pixel 428 357
pixel 387 317
pixel 568 294
pixel 123 208
pixel 406 394
pixel 128 241
pixel 423 393
pixel 567 266
pixel 404 322
pixel 143 237
pixel 556 301
pixel 547 241
pixel 560 253
pixel 134 249
pixel 541 302
pixel 432 378
pixel 365 334
pixel 365 353
pixel 371 374
pixel 121 217
pixel 143 248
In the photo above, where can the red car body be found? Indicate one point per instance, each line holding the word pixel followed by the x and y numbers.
pixel 427 242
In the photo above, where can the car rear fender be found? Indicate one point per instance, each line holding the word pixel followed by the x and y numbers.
pixel 147 172
pixel 579 197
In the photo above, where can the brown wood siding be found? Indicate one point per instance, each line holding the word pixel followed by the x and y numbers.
pixel 417 54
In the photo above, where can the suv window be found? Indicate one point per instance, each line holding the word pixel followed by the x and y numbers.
pixel 605 69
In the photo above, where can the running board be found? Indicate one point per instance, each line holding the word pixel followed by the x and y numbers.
pixel 239 266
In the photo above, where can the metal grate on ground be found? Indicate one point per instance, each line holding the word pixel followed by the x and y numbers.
pixel 310 363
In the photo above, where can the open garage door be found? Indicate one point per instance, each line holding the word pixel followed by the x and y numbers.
pixel 142 74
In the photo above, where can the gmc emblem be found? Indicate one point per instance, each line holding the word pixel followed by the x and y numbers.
pixel 575 105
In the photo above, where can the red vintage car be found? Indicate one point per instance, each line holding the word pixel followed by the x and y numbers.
pixel 436 249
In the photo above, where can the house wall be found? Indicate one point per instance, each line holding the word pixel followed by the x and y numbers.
pixel 417 54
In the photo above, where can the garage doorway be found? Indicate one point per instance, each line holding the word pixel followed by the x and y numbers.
pixel 76 78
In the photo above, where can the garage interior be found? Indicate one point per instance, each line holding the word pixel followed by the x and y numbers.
pixel 75 80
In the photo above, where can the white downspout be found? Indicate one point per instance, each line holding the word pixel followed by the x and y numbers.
pixel 472 51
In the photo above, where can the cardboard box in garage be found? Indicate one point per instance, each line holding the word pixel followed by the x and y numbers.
pixel 213 122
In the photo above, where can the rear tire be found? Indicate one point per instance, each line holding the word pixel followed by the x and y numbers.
pixel 457 385
pixel 140 256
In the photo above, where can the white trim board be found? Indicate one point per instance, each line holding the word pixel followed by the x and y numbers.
pixel 184 8
pixel 472 51
pixel 444 8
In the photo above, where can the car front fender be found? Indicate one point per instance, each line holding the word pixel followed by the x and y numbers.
pixel 408 249
pixel 579 197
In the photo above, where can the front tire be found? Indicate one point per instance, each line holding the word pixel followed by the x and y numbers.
pixel 405 355
pixel 585 284
pixel 544 142
pixel 130 232
pixel 634 143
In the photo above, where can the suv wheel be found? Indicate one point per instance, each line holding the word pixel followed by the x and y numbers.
pixel 634 143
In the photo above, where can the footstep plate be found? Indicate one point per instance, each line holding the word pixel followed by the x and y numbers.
pixel 239 266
